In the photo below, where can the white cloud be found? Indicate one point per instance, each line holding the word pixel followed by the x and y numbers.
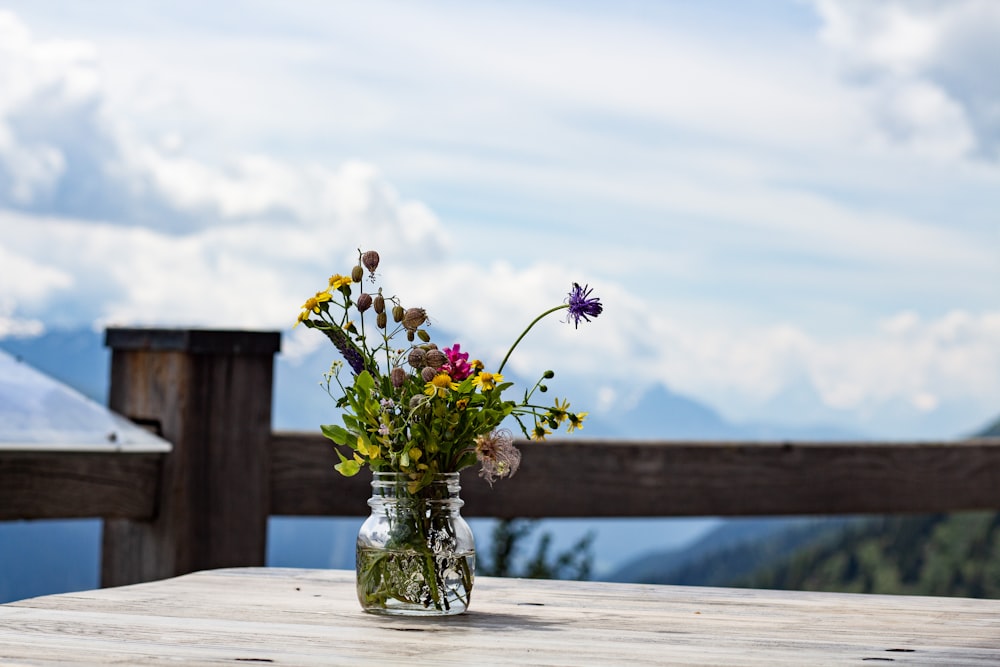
pixel 11 326
pixel 23 279
pixel 62 155
pixel 930 67
pixel 860 379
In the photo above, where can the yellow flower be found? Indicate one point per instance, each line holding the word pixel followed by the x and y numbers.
pixel 337 281
pixel 487 381
pixel 369 449
pixel 539 432
pixel 440 385
pixel 558 411
pixel 476 365
pixel 312 305
pixel 576 421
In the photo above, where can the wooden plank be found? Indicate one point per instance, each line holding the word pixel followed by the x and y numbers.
pixel 304 483
pixel 311 617
pixel 598 478
pixel 211 396
pixel 195 341
pixel 67 485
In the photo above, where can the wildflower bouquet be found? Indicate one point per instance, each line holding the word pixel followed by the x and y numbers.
pixel 418 412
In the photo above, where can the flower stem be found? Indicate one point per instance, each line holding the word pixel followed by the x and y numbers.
pixel 525 332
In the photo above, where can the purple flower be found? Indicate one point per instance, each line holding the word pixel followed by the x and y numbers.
pixel 347 348
pixel 581 306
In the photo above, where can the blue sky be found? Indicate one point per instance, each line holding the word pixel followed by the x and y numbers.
pixel 789 209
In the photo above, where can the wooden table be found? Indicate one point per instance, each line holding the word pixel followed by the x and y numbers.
pixel 258 616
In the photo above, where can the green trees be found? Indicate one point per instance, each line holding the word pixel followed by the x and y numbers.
pixel 509 536
pixel 954 555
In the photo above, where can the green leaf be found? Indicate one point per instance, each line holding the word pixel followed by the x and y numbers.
pixel 338 434
pixel 364 382
pixel 352 423
pixel 347 467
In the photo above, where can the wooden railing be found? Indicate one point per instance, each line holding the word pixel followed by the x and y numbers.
pixel 205 505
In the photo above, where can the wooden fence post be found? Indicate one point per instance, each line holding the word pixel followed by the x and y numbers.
pixel 209 394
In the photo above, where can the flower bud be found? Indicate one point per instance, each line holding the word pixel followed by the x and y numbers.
pixel 364 302
pixel 416 401
pixel 381 320
pixel 413 318
pixel 370 260
pixel 379 303
pixel 435 359
pixel 397 313
pixel 398 377
pixel 416 358
pixel 428 373
pixel 410 336
pixel 357 273
pixel 548 375
pixel 423 335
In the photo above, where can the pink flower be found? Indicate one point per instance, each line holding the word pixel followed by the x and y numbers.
pixel 457 365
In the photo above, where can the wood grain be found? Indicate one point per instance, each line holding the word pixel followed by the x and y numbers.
pixel 597 478
pixel 67 485
pixel 311 617
pixel 210 392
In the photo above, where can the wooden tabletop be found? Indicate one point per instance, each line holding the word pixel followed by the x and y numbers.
pixel 270 616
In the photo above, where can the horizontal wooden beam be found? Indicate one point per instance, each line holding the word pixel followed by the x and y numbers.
pixel 601 478
pixel 304 483
pixel 67 485
pixel 194 341
pixel 578 478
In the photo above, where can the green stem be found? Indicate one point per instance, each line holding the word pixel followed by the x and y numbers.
pixel 525 332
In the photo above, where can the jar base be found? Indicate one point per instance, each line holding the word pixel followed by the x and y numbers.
pixel 407 583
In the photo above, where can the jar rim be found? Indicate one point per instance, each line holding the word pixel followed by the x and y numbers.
pixel 440 476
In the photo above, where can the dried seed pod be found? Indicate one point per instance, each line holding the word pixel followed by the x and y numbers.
pixel 416 401
pixel 413 318
pixel 357 273
pixel 379 303
pixel 381 320
pixel 397 313
pixel 410 336
pixel 435 358
pixel 428 373
pixel 398 377
pixel 416 358
pixel 364 302
pixel 370 260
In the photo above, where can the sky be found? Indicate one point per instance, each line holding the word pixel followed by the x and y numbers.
pixel 788 209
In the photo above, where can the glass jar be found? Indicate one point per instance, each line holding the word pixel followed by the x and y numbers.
pixel 416 554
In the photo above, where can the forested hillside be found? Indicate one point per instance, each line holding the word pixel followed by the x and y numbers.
pixel 941 554
pixel 954 555
pixel 992 431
